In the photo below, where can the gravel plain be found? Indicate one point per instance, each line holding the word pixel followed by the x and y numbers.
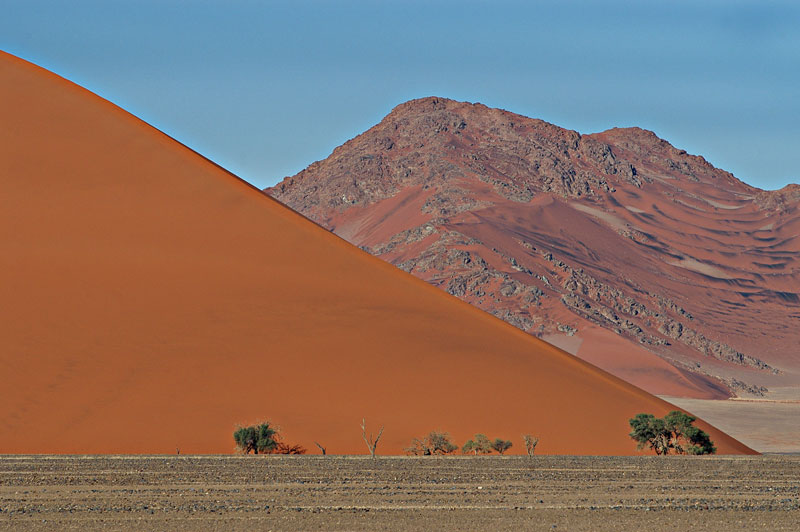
pixel 396 493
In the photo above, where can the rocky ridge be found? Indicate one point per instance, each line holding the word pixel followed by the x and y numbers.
pixel 554 231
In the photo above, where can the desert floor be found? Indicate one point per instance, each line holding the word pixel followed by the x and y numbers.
pixel 391 493
pixel 766 425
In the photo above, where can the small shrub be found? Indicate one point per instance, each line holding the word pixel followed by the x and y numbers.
pixel 435 443
pixel 501 446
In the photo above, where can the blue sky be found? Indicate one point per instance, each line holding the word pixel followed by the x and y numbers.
pixel 265 88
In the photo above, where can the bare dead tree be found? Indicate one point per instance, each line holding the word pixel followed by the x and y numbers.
pixel 530 443
pixel 371 441
pixel 286 448
pixel 321 448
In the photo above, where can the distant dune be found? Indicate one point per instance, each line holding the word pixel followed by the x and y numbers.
pixel 633 254
pixel 151 301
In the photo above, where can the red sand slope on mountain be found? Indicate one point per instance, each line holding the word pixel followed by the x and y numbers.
pixel 151 300
pixel 693 275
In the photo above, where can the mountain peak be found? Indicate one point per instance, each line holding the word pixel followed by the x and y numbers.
pixel 476 111
pixel 435 140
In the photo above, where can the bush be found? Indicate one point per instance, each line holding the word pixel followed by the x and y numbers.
pixel 257 438
pixel 480 444
pixel 674 432
pixel 432 444
pixel 501 446
pixel 263 438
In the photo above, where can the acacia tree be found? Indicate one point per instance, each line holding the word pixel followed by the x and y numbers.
pixel 672 432
pixel 432 444
pixel 262 438
pixel 371 441
pixel 265 439
pixel 480 444
pixel 530 443
pixel 688 439
pixel 648 430
pixel 501 446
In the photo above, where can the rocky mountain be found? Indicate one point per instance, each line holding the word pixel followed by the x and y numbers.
pixel 631 253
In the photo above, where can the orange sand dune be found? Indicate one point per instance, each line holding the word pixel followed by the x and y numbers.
pixel 151 300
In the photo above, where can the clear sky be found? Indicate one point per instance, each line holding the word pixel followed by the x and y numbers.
pixel 265 88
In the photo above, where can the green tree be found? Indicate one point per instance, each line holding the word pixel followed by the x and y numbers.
pixel 432 444
pixel 672 432
pixel 501 446
pixel 262 438
pixel 648 430
pixel 686 438
pixel 480 444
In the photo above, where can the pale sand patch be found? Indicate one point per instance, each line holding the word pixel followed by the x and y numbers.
pixel 765 426
pixel 709 202
pixel 662 178
pixel 695 207
pixel 722 205
pixel 570 344
pixel 700 267
pixel 635 209
pixel 610 219
pixel 784 393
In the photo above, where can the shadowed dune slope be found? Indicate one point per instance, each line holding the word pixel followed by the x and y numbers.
pixel 151 300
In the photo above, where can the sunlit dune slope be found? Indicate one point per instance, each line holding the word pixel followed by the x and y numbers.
pixel 151 300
